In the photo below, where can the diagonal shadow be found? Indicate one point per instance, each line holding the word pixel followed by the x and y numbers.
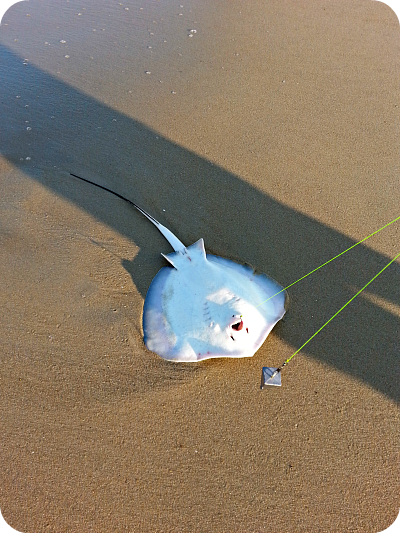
pixel 122 154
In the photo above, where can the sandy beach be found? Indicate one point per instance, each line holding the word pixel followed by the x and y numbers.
pixel 270 129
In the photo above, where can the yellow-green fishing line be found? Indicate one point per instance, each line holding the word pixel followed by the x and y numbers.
pixel 327 322
pixel 336 256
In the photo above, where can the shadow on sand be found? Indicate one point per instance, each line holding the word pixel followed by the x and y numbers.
pixel 75 133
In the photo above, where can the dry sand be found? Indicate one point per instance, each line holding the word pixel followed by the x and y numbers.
pixel 272 132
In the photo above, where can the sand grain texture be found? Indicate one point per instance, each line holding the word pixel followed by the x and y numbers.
pixel 272 132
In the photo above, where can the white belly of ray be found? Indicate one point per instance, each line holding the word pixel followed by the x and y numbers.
pixel 207 306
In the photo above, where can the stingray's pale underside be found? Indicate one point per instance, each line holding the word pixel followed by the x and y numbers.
pixel 204 306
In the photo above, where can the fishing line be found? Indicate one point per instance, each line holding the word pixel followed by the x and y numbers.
pixel 336 256
pixel 271 373
pixel 271 377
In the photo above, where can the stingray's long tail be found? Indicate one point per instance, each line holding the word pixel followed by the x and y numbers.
pixel 174 241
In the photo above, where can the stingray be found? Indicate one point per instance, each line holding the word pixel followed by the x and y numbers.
pixel 202 306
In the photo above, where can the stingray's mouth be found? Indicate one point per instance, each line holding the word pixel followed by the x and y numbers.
pixel 237 326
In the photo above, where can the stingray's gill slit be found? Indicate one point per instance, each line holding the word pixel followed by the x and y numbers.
pixel 174 317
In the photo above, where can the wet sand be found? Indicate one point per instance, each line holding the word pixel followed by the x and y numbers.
pixel 271 131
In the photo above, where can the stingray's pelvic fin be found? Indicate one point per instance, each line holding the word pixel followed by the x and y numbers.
pixel 198 247
pixel 191 254
pixel 170 258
